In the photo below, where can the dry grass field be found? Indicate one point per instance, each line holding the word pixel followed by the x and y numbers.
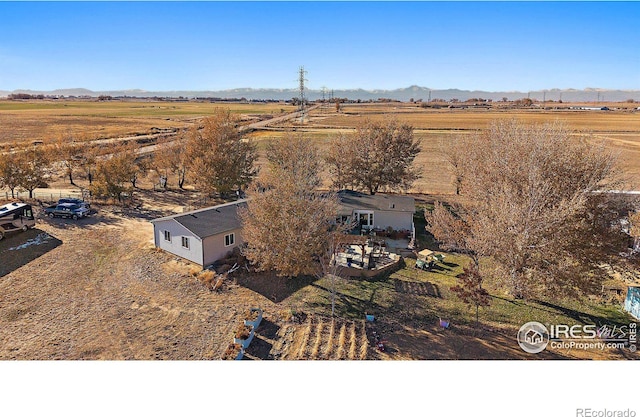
pixel 618 130
pixel 31 121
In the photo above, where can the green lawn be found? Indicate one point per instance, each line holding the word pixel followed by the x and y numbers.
pixel 415 298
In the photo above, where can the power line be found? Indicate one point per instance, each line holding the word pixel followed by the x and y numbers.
pixel 301 80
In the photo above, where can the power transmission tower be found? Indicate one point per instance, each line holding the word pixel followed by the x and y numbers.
pixel 301 80
pixel 324 102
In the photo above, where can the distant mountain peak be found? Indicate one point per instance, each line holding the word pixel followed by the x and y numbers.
pixel 415 92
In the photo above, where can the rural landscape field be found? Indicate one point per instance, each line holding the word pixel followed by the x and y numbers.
pixel 301 208
pixel 97 288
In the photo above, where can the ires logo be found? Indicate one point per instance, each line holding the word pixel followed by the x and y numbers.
pixel 534 337
pixel 579 331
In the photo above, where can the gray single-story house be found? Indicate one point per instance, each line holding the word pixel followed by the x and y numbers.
pixel 378 211
pixel 201 236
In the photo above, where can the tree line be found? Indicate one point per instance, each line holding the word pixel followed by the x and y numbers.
pixel 213 156
pixel 535 212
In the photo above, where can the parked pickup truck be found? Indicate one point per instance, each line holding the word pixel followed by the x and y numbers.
pixel 75 211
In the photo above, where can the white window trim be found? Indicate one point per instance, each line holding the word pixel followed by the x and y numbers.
pixel 233 239
pixel 186 239
pixel 166 232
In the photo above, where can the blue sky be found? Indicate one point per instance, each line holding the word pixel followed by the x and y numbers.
pixel 163 46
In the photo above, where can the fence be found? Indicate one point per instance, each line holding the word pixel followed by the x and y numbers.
pixel 47 196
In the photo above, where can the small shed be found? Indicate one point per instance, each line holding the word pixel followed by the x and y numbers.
pixel 201 236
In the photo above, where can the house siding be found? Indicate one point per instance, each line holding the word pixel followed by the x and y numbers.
pixel 397 220
pixel 193 254
pixel 215 249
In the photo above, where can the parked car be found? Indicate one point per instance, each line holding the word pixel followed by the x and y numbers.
pixel 67 210
pixel 75 201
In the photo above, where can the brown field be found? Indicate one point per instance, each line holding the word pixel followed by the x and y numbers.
pixel 30 121
pixel 619 130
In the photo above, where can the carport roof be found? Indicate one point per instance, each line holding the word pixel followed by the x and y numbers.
pixel 211 220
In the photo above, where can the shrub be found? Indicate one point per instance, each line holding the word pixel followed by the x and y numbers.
pixel 242 332
pixel 207 276
pixel 231 352
pixel 251 315
pixel 194 271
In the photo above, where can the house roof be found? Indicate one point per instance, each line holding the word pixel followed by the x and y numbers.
pixel 211 220
pixel 380 202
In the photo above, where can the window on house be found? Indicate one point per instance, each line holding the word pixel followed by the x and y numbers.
pixel 229 239
pixel 167 236
pixel 185 242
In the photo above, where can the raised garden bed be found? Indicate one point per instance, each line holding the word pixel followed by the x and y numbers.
pixel 253 317
pixel 234 352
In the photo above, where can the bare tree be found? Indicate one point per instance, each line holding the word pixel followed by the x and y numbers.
pixel 33 165
pixel 378 156
pixel 115 172
pixel 172 158
pixel 294 160
pixel 67 150
pixel 533 206
pixel 470 290
pixel 340 160
pixel 328 262
pixel 88 161
pixel 286 224
pixel 9 171
pixel 454 153
pixel 222 160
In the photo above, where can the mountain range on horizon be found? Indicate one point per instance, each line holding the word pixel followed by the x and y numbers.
pixel 402 94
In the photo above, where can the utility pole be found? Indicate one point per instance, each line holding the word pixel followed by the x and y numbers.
pixel 301 81
pixel 544 99
pixel 324 103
